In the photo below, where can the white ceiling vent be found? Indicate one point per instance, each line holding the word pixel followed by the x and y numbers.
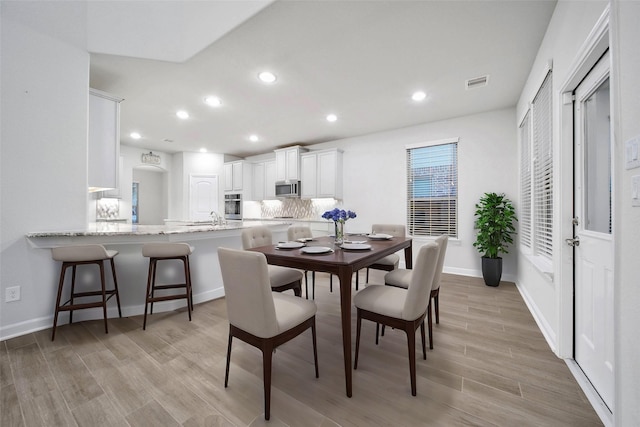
pixel 477 82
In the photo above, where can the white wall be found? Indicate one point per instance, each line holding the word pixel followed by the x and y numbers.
pixel 567 32
pixel 43 152
pixel 375 177
pixel 626 69
pixel 152 198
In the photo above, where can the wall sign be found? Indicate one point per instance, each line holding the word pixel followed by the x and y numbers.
pixel 150 158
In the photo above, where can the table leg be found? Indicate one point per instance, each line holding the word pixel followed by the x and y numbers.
pixel 345 310
pixel 408 257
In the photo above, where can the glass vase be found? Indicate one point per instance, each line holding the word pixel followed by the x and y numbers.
pixel 339 232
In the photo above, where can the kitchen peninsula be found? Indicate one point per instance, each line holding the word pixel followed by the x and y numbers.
pixel 131 266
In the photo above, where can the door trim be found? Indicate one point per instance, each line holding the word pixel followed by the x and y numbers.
pixel 593 48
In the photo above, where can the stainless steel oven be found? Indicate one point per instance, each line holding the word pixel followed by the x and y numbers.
pixel 233 206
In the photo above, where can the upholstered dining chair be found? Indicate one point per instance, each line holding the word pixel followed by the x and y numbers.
pixel 401 308
pixel 282 278
pixel 299 232
pixel 401 278
pixel 390 262
pixel 259 317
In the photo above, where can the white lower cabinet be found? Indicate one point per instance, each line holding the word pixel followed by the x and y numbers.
pixel 321 174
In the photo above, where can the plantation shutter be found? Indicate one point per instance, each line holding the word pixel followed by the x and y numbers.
pixel 525 181
pixel 543 170
pixel 432 189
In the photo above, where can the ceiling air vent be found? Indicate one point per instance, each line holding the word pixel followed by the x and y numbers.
pixel 477 82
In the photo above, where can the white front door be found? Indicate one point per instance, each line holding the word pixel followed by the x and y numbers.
pixel 203 196
pixel 593 223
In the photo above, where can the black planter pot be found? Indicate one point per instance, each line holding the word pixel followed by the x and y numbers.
pixel 491 271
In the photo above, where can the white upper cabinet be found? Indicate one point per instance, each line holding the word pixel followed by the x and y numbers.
pixel 237 178
pixel 322 174
pixel 264 180
pixel 288 163
pixel 104 141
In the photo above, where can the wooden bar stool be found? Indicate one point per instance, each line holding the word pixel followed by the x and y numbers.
pixel 73 256
pixel 161 252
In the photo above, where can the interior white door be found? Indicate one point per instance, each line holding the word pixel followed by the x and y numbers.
pixel 593 223
pixel 203 196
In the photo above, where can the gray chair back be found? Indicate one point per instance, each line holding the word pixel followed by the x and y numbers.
pixel 296 232
pixel 419 292
pixel 441 241
pixel 247 290
pixel 256 236
pixel 396 230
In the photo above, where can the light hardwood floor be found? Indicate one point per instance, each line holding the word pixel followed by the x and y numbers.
pixel 490 366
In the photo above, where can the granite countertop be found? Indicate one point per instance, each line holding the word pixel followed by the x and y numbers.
pixel 120 229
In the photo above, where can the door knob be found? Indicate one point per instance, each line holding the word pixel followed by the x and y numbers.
pixel 573 242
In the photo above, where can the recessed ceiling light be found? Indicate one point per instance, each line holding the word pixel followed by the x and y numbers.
pixel 418 96
pixel 332 117
pixel 213 101
pixel 182 114
pixel 203 150
pixel 135 135
pixel 267 77
pixel 253 138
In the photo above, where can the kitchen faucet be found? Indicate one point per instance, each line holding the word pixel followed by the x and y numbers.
pixel 216 219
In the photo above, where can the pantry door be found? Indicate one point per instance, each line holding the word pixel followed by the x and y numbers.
pixel 203 196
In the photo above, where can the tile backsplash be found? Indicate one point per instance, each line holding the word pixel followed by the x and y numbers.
pixel 107 208
pixel 295 208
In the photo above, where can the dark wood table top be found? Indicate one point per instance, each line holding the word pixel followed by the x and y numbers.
pixel 331 262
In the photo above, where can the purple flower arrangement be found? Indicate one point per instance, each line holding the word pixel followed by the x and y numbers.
pixel 338 215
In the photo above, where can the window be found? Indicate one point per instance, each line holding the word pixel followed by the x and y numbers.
pixel 536 174
pixel 525 181
pixel 432 188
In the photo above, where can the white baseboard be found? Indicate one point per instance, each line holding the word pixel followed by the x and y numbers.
pixel 592 395
pixel 545 328
pixel 33 325
pixel 476 273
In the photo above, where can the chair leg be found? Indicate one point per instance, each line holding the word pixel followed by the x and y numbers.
pixel 430 324
pixel 267 354
pixel 411 344
pixel 358 327
pixel 315 346
pixel 115 286
pixel 189 284
pixel 146 297
pixel 357 275
pixel 313 285
pixel 57 311
pixel 378 331
pixel 436 300
pixel 226 373
pixel 367 275
pixel 73 291
pixel 104 296
pixel 330 282
pixel 298 289
pixel 306 284
pixel 424 348
pixel 185 262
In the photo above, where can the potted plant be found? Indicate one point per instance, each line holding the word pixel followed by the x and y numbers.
pixel 494 220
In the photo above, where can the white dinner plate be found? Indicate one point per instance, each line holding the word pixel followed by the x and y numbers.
pixel 355 246
pixel 289 245
pixel 316 250
pixel 380 236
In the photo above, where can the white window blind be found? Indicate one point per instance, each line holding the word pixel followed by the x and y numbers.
pixel 432 190
pixel 543 170
pixel 525 181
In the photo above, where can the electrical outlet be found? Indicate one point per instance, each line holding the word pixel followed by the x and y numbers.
pixel 12 294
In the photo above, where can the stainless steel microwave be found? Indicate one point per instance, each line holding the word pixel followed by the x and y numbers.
pixel 288 189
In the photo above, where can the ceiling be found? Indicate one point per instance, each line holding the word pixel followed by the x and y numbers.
pixel 360 60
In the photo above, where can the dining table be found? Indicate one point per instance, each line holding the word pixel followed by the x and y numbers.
pixel 324 255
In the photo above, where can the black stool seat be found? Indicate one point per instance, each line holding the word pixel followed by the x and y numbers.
pixel 167 251
pixel 73 256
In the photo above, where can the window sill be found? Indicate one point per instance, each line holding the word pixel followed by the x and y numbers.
pixel 543 265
